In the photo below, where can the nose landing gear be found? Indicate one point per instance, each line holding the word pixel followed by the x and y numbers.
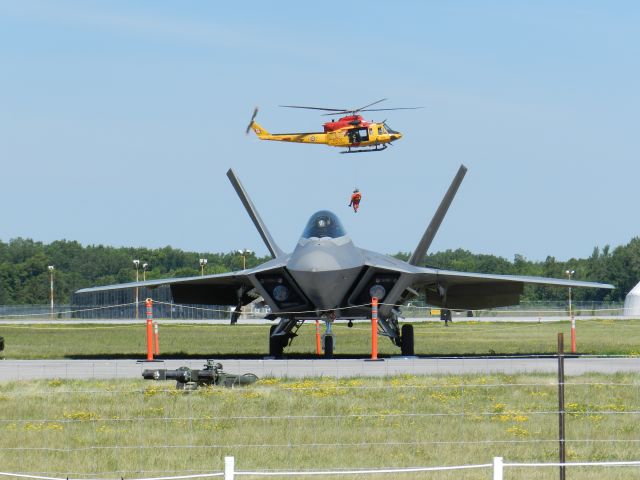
pixel 280 335
pixel 328 338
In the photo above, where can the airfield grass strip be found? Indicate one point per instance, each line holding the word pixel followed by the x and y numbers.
pixel 596 337
pixel 135 428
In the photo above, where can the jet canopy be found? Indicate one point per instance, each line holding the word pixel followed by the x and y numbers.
pixel 324 224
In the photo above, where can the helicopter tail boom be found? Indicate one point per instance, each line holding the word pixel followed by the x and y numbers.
pixel 306 137
pixel 259 130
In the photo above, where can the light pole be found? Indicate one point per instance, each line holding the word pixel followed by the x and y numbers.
pixel 569 274
pixel 144 271
pixel 51 269
pixel 136 263
pixel 203 263
pixel 244 252
pixel 573 320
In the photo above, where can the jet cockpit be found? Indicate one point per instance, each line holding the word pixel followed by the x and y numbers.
pixel 324 224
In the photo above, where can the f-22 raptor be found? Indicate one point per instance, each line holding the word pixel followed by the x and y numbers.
pixel 327 277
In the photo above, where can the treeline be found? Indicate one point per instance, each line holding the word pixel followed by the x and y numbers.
pixel 620 267
pixel 24 274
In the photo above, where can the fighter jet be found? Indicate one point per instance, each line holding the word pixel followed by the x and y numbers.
pixel 327 277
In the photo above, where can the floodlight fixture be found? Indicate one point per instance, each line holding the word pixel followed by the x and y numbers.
pixel 244 252
pixel 203 263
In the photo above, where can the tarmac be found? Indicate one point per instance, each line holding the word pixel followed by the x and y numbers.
pixel 11 370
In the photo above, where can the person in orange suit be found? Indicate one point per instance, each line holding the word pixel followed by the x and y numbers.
pixel 356 196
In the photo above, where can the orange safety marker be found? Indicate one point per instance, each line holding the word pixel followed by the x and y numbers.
pixel 155 332
pixel 374 328
pixel 318 339
pixel 573 334
pixel 149 304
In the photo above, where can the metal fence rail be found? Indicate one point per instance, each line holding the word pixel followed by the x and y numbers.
pixel 497 466
pixel 167 310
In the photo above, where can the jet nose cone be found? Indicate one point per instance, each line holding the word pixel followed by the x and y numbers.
pixel 314 260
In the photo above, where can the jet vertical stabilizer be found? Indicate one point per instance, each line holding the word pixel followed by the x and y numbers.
pixel 253 213
pixel 425 242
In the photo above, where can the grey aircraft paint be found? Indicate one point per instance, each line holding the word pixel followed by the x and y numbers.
pixel 328 277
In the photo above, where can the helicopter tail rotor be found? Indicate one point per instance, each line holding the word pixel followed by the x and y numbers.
pixel 253 117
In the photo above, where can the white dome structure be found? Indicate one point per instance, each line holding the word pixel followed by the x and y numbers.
pixel 632 302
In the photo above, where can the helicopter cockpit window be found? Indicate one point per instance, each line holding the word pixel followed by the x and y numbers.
pixel 323 224
pixel 389 129
pixel 381 130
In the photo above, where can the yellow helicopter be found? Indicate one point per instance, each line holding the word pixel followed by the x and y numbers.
pixel 351 131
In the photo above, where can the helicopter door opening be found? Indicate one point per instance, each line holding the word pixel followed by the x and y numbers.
pixel 358 135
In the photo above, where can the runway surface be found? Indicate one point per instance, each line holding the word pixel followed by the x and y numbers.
pixel 114 369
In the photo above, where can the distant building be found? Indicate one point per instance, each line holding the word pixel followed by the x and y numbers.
pixel 632 302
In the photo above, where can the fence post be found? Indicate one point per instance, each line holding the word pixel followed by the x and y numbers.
pixel 229 468
pixel 573 334
pixel 562 454
pixel 149 303
pixel 498 468
pixel 155 334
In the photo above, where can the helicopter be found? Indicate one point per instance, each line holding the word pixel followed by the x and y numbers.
pixel 350 131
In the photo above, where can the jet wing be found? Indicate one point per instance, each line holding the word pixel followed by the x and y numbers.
pixel 233 288
pixel 229 288
pixel 457 290
pixel 467 290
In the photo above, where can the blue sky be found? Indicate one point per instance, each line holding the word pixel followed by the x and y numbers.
pixel 119 120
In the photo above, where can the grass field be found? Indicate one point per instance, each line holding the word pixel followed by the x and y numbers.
pixel 600 337
pixel 136 429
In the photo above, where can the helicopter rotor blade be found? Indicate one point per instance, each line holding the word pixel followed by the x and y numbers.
pixel 367 106
pixel 350 111
pixel 386 109
pixel 355 110
pixel 316 108
pixel 253 117
pixel 337 112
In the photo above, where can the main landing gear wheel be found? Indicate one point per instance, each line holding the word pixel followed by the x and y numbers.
pixel 276 344
pixel 328 346
pixel 407 344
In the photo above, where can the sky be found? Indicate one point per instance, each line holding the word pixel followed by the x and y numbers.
pixel 119 120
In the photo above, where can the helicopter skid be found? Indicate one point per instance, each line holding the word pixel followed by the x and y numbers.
pixel 377 148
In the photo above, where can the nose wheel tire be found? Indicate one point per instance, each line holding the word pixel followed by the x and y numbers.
pixel 407 344
pixel 276 343
pixel 328 346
